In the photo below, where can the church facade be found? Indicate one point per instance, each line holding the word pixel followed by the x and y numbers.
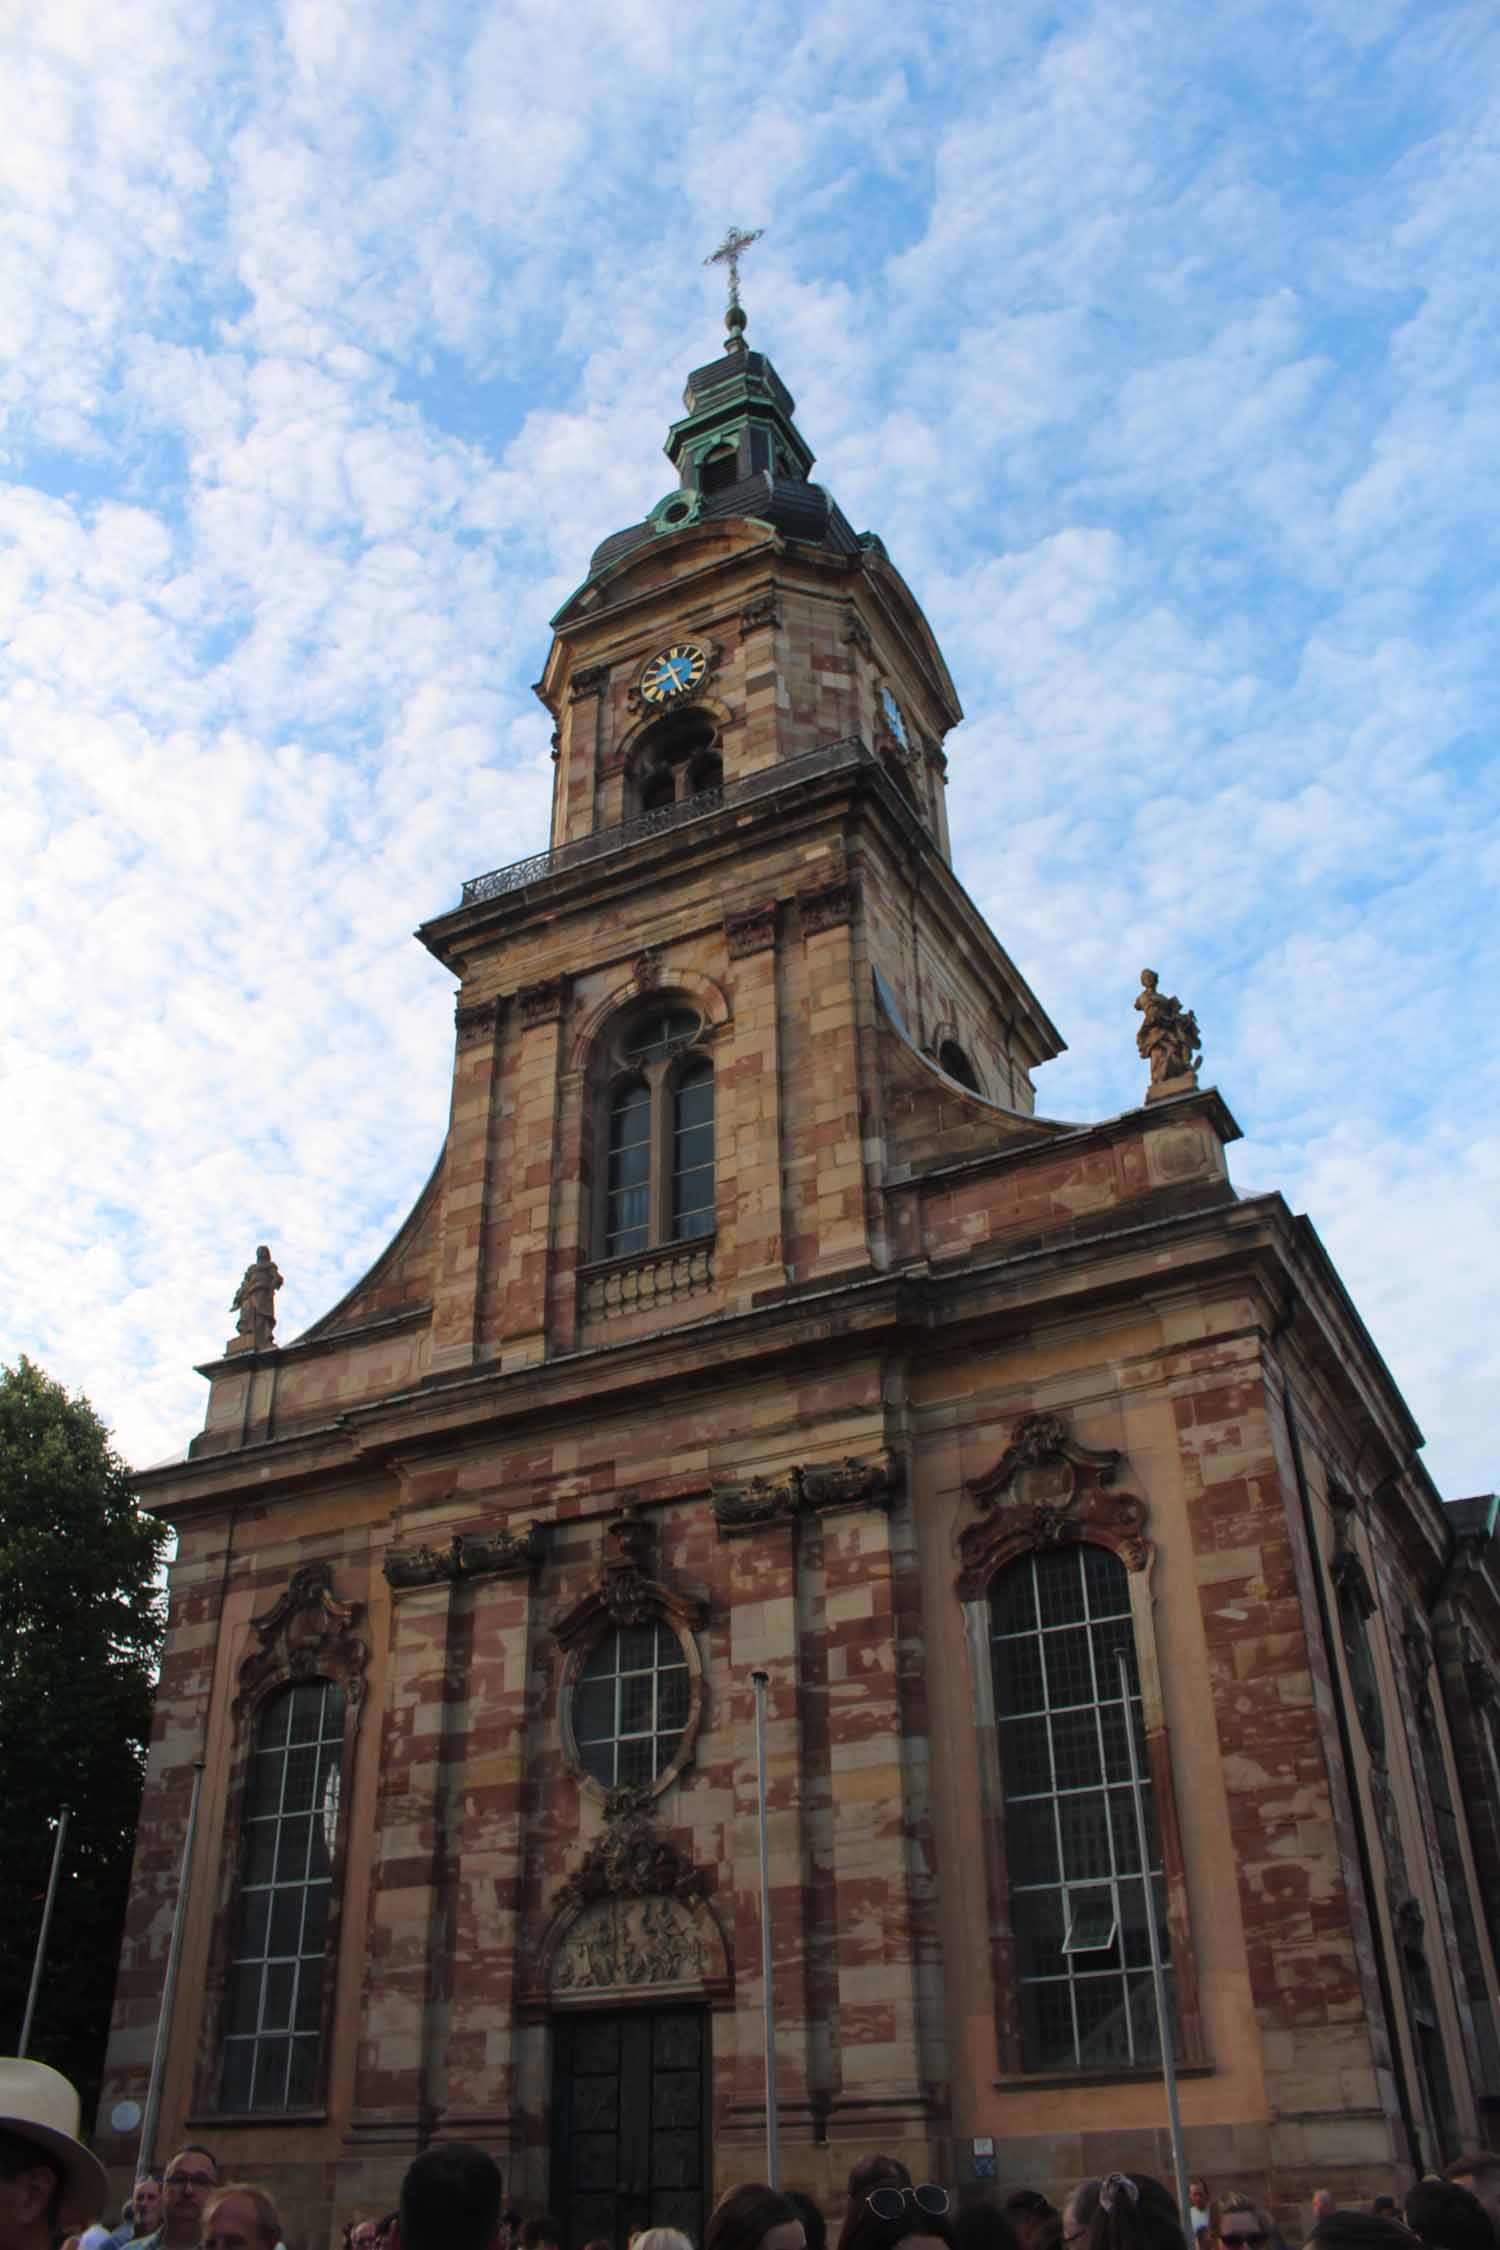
pixel 755 1334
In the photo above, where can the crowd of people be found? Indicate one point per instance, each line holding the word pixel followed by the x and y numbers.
pixel 53 2193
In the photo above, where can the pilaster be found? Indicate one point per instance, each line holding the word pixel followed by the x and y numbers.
pixel 467 1181
pixel 532 1174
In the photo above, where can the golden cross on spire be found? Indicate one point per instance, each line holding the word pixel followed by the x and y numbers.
pixel 729 253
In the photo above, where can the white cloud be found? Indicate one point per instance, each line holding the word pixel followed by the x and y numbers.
pixel 1159 350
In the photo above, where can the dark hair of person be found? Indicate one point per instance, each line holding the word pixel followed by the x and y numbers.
pixel 18 2155
pixel 1448 2217
pixel 599 2243
pixel 384 2226
pixel 870 2232
pixel 543 2228
pixel 1085 2202
pixel 195 2148
pixel 869 2173
pixel 1048 2235
pixel 982 2227
pixel 1361 2230
pixel 1135 2212
pixel 1029 2200
pixel 876 2171
pixel 1386 2203
pixel 814 2225
pixel 741 2219
pixel 450 2198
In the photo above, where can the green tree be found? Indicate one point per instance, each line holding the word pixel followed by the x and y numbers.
pixel 80 1630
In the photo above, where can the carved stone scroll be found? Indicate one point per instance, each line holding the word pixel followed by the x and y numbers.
pixel 1046 1490
pixel 753 931
pixel 545 1001
pixel 491 1554
pixel 820 1489
pixel 304 1635
pixel 477 1019
pixel 827 904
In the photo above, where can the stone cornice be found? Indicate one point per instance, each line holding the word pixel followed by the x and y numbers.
pixel 1150 1255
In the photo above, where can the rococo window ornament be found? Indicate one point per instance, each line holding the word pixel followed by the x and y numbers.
pixel 632 1693
pixel 1044 1491
pixel 305 1633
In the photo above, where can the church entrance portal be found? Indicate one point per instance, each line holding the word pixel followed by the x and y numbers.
pixel 630 2122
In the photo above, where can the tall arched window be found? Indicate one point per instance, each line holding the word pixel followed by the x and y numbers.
pixel 658 1184
pixel 1059 1618
pixel 273 2012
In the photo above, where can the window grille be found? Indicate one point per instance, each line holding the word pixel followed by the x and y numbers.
pixel 630 1706
pixel 1077 1898
pixel 274 2007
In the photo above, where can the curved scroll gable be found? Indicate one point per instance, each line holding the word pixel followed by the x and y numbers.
pixel 306 1634
pixel 1046 1490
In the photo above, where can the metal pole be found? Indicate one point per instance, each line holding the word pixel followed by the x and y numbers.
pixel 41 1940
pixel 1158 1974
pixel 169 1983
pixel 762 1681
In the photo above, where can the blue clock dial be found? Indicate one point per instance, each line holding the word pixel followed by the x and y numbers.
pixel 676 671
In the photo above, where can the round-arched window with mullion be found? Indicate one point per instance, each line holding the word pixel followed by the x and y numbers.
pixel 630 1704
pixel 273 2011
pixel 1059 1619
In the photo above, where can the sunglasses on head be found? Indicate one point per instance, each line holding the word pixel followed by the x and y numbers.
pixel 890 2202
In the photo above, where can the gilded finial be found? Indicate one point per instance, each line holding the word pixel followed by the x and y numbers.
pixel 735 243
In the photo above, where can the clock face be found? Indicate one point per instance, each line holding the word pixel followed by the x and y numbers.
pixel 676 672
pixel 891 710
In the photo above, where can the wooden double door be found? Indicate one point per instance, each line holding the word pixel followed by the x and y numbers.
pixel 630 2144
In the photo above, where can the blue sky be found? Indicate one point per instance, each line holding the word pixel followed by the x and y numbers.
pixel 1158 344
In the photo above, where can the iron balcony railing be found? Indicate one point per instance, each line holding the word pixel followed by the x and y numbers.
pixel 829 757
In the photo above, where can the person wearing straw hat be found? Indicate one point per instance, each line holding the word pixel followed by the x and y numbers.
pixel 48 2179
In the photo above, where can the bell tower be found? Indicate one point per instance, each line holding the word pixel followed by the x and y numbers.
pixel 745 961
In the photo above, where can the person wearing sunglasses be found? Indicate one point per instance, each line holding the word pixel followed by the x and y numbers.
pixel 1235 2220
pixel 916 2217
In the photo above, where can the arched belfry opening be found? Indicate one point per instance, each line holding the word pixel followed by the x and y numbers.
pixel 675 760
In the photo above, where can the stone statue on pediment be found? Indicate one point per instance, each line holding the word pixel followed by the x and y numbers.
pixel 255 1302
pixel 1168 1039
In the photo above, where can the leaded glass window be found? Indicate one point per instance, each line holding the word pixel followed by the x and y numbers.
pixel 1078 1901
pixel 627 1223
pixel 658 1185
pixel 630 1705
pixel 693 1153
pixel 274 2006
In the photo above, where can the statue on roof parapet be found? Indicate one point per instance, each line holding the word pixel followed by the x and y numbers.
pixel 1168 1039
pixel 255 1302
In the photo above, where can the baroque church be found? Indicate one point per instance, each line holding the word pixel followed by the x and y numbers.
pixel 754 1326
